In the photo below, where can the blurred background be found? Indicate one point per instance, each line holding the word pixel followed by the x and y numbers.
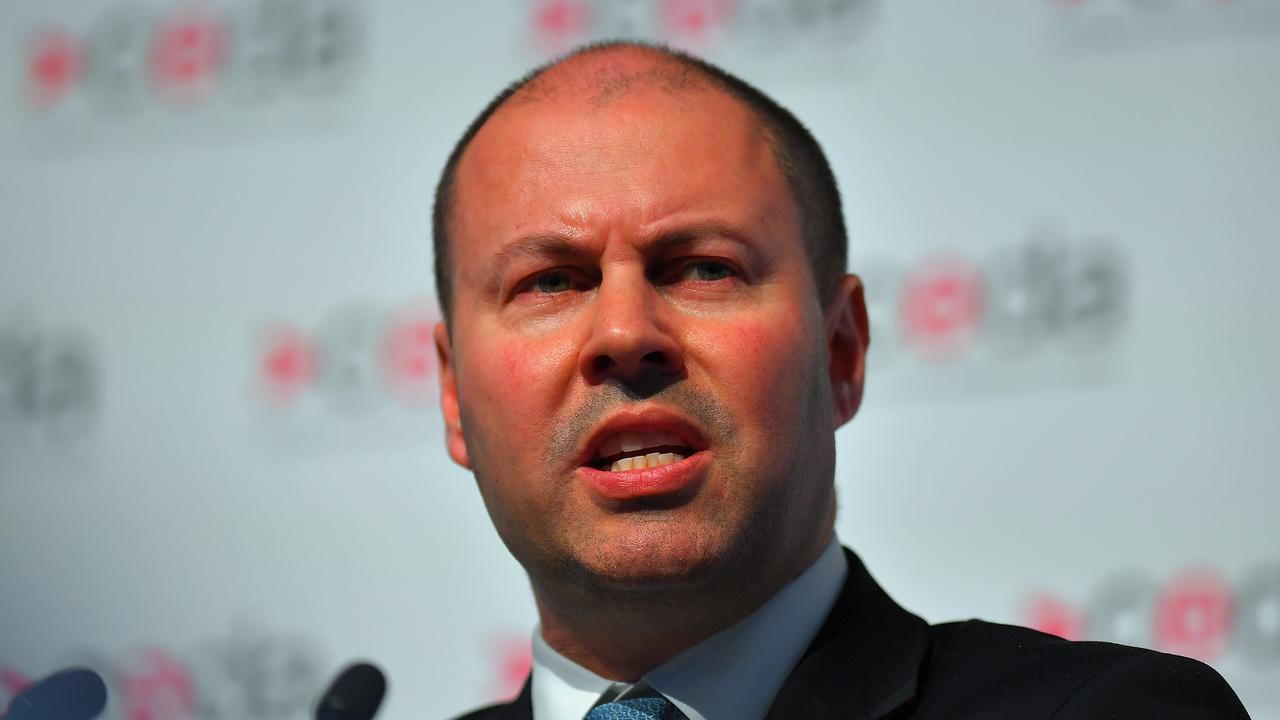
pixel 221 467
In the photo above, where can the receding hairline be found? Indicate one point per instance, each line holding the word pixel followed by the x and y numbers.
pixel 598 75
pixel 602 72
pixel 588 83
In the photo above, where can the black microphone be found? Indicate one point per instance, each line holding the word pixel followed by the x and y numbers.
pixel 354 695
pixel 73 694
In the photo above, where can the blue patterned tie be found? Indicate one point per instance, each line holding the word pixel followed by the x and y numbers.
pixel 641 708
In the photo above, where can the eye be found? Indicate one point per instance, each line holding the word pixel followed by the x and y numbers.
pixel 552 282
pixel 706 271
pixel 555 281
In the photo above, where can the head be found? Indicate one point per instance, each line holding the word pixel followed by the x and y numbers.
pixel 637 252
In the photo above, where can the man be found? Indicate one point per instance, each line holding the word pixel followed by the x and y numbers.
pixel 649 342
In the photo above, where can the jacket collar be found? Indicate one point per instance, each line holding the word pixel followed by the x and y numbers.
pixel 863 664
pixel 521 708
pixel 865 661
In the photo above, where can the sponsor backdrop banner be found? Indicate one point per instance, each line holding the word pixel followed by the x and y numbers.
pixel 221 468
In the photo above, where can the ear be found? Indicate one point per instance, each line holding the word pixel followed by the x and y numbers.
pixel 454 439
pixel 848 335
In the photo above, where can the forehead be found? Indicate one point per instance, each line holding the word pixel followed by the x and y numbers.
pixel 625 156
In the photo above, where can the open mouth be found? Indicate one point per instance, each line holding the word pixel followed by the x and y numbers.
pixel 640 456
pixel 630 450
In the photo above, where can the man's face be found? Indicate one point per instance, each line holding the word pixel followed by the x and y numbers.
pixel 630 282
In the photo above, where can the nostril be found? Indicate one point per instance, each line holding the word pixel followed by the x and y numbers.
pixel 656 358
pixel 602 363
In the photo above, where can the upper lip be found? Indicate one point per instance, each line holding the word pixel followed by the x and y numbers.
pixel 651 419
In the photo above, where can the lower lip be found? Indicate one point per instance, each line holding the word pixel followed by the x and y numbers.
pixel 678 477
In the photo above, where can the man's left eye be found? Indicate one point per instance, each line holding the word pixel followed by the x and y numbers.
pixel 706 271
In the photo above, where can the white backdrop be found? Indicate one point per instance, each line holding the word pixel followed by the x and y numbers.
pixel 221 469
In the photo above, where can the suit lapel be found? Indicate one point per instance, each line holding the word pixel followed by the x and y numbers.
pixel 864 662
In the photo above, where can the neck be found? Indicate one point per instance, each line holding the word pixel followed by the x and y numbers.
pixel 621 634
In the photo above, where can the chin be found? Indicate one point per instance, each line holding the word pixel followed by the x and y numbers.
pixel 657 556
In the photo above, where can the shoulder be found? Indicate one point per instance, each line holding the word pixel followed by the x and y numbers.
pixel 519 708
pixel 501 711
pixel 981 667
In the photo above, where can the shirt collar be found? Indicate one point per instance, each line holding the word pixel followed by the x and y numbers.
pixel 733 675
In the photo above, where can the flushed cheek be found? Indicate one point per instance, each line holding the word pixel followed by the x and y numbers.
pixel 754 354
pixel 515 389
pixel 760 371
pixel 516 373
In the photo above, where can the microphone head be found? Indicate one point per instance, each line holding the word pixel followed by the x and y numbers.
pixel 72 694
pixel 354 695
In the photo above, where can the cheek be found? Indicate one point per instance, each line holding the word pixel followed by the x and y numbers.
pixel 759 366
pixel 757 350
pixel 517 382
pixel 528 369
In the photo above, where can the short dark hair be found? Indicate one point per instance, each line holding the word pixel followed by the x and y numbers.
pixel 797 152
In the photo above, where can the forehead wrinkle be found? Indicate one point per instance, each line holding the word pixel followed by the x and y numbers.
pixel 586 86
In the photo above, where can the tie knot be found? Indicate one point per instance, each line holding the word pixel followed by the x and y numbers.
pixel 640 708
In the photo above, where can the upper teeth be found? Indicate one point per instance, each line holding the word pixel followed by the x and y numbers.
pixel 641 450
pixel 636 443
pixel 640 462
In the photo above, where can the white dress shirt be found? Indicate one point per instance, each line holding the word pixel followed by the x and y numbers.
pixel 733 675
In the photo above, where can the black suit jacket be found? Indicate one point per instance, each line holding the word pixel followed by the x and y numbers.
pixel 872 660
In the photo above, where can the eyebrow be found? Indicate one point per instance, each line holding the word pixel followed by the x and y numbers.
pixel 686 234
pixel 535 247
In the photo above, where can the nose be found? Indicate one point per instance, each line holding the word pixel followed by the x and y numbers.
pixel 629 340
